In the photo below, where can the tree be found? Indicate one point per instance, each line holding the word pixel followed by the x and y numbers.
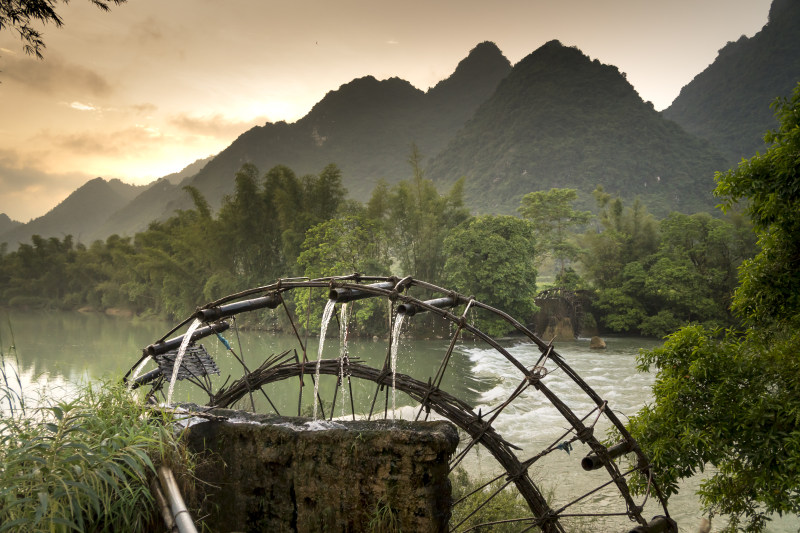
pixel 491 258
pixel 22 15
pixel 345 245
pixel 625 234
pixel 731 399
pixel 418 220
pixel 690 278
pixel 553 216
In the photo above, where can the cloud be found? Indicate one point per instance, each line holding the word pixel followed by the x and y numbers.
pixel 26 192
pixel 107 144
pixel 82 107
pixel 144 109
pixel 53 74
pixel 216 126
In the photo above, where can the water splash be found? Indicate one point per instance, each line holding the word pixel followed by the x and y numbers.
pixel 326 317
pixel 187 338
pixel 343 352
pixel 398 324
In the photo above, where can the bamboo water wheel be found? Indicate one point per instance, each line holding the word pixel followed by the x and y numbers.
pixel 608 467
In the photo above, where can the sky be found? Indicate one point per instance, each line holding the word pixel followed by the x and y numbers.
pixel 147 88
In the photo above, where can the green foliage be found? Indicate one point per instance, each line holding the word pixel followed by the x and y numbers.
pixel 553 215
pixel 344 245
pixel 625 234
pixel 384 520
pixel 190 258
pixel 21 15
pixel 492 259
pixel 82 464
pixel 418 219
pixel 767 293
pixel 731 400
pixel 653 277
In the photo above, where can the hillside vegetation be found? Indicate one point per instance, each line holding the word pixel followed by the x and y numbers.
pixel 729 102
pixel 562 120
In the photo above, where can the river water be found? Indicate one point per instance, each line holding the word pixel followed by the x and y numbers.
pixel 56 350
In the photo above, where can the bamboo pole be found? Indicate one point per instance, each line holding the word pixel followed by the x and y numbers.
pixel 180 514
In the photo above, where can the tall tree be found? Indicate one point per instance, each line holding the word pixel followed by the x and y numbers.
pixel 419 219
pixel 731 399
pixel 553 216
pixel 624 234
pixel 491 258
pixel 344 245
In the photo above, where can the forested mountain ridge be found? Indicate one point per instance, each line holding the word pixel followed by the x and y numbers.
pixel 729 102
pixel 365 127
pixel 157 202
pixel 560 119
pixel 81 214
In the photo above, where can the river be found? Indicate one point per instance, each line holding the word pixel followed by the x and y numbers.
pixel 56 350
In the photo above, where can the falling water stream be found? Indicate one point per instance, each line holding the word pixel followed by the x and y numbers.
pixel 395 340
pixel 187 338
pixel 137 371
pixel 343 353
pixel 326 317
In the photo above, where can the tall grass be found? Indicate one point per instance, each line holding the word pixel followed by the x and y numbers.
pixel 10 392
pixel 508 504
pixel 81 464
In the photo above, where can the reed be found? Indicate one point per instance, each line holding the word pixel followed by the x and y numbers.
pixel 82 464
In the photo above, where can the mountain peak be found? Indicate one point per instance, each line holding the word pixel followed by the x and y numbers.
pixel 365 94
pixel 484 62
pixel 484 56
pixel 782 8
pixel 734 116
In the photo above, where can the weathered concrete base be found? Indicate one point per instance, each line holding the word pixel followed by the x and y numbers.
pixel 292 474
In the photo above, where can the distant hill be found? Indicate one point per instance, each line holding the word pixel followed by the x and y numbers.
pixel 79 215
pixel 133 217
pixel 156 202
pixel 560 119
pixel 6 224
pixel 728 103
pixel 102 208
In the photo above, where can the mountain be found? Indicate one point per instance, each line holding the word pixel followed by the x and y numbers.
pixel 149 205
pixel 729 102
pixel 555 119
pixel 188 172
pixel 6 224
pixel 156 202
pixel 560 119
pixel 366 127
pixel 79 215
